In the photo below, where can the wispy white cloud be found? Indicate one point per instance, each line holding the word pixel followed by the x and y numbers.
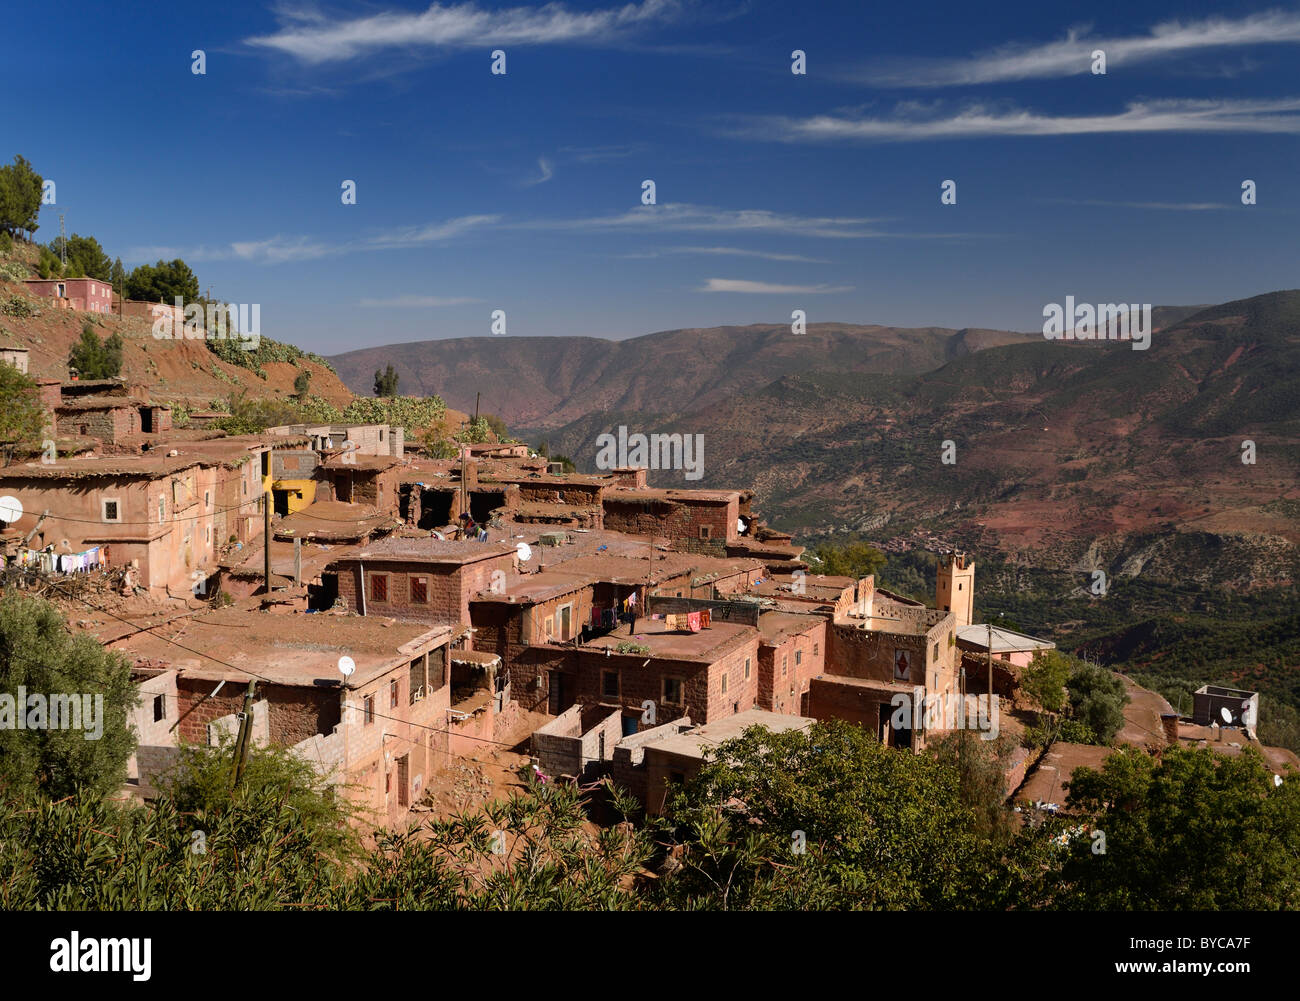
pixel 281 250
pixel 1164 206
pixel 312 37
pixel 418 301
pixel 434 232
pixel 546 172
pixel 287 250
pixel 767 288
pixel 1072 55
pixel 729 251
pixel 685 218
pixel 911 123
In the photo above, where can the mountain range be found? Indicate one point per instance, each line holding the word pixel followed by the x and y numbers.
pixel 1066 453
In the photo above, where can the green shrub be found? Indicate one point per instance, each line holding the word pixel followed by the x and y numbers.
pixel 19 305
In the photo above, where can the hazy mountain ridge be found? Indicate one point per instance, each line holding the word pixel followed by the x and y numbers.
pixel 541 382
pixel 1074 452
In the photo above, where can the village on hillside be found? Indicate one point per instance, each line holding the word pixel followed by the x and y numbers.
pixel 431 633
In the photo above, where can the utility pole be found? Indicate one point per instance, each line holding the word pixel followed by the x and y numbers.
pixel 961 743
pixel 463 507
pixel 245 735
pixel 297 562
pixel 63 242
pixel 990 655
pixel 266 540
pixel 477 396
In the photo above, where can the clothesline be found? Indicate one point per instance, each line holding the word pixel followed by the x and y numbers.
pixel 49 561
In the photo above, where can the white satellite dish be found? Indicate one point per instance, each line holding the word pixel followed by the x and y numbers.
pixel 11 508
pixel 1225 714
pixel 525 552
pixel 1277 780
pixel 346 666
pixel 740 525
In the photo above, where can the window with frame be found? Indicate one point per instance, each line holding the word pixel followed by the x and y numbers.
pixel 159 709
pixel 379 587
pixel 672 691
pixel 111 509
pixel 394 689
pixel 418 679
pixel 936 651
pixel 207 498
pixel 419 590
pixel 724 682
pixel 368 709
pixel 798 657
pixel 785 663
pixel 815 645
pixel 705 531
pixel 746 668
pixel 609 684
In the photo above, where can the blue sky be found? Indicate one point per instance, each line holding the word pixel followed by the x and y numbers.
pixel 774 191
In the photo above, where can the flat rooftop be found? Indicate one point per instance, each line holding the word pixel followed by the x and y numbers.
pixel 529 589
pixel 288 649
pixel 776 626
pixel 699 740
pixel 227 451
pixel 431 550
pixel 629 494
pixel 332 520
pixel 706 646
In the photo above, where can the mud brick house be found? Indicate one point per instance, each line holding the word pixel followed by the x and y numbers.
pixel 162 514
pixel 898 649
pixel 377 733
pixel 89 295
pixel 702 521
pixel 293 479
pixel 111 419
pixel 679 753
pixel 532 622
pixel 366 439
pixel 424 579
pixel 570 501
pixel 707 675
pixel 791 652
pixel 13 353
pixel 108 411
pixel 361 479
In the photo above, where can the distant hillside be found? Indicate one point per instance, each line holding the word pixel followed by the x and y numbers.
pixel 1066 453
pixel 541 382
pixel 177 371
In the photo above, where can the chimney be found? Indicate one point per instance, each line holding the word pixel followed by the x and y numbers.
pixel 1169 721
